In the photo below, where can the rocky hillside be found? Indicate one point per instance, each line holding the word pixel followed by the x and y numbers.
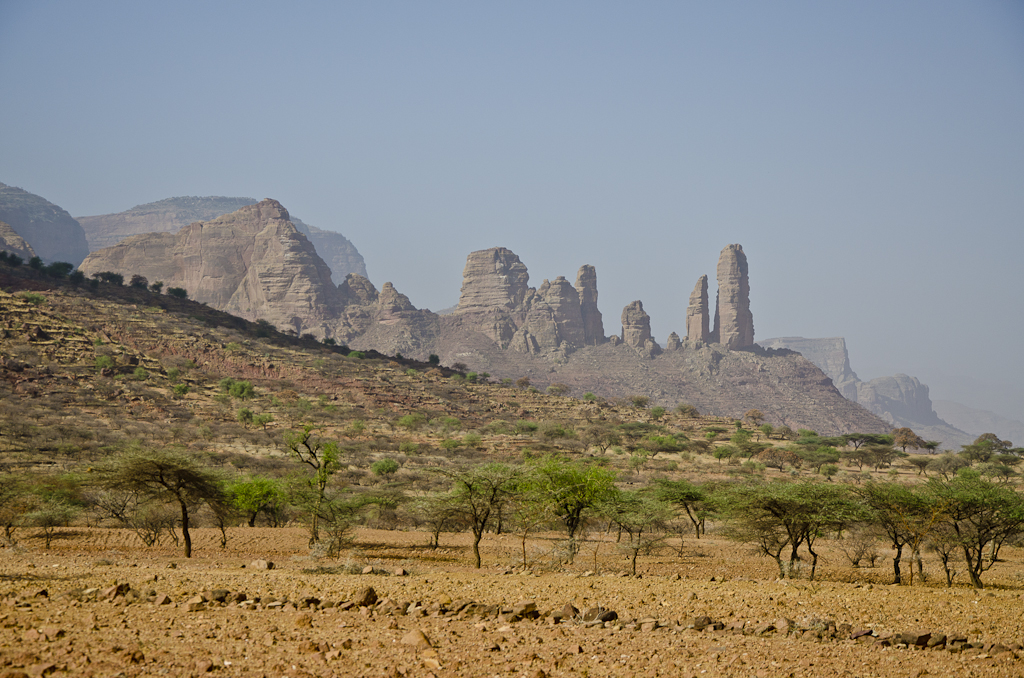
pixel 52 233
pixel 253 263
pixel 173 214
pixel 901 400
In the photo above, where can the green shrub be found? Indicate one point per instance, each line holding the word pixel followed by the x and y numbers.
pixel 140 374
pixel 33 298
pixel 589 396
pixel 180 390
pixel 104 362
pixel 177 292
pixel 384 467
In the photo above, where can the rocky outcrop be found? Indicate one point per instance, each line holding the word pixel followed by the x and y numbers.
pixel 636 325
pixel 673 343
pixel 900 400
pixel 12 243
pixel 52 233
pixel 734 323
pixel 173 214
pixel 829 354
pixel 496 299
pixel 586 288
pixel 252 263
pixel 698 319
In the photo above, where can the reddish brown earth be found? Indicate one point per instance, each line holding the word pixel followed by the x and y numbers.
pixel 71 631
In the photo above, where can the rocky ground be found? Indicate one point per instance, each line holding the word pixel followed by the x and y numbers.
pixel 97 603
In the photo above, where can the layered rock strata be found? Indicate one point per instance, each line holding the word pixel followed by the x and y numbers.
pixel 12 243
pixel 734 323
pixel 497 300
pixel 173 214
pixel 252 263
pixel 586 288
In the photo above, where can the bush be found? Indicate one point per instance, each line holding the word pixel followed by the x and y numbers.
pixel 384 467
pixel 33 298
pixel 104 362
pixel 35 263
pixel 434 359
pixel 639 401
pixel 139 282
pixel 140 374
pixel 109 277
pixel 177 292
pixel 590 397
pixel 243 390
pixel 557 389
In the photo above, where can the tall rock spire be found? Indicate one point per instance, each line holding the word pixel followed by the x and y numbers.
pixel 698 319
pixel 734 324
pixel 593 323
pixel 636 325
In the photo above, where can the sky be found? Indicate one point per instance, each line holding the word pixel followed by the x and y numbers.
pixel 869 156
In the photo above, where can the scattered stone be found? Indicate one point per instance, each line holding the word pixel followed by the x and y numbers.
pixel 364 597
pixel 368 569
pixel 261 565
pixel 416 638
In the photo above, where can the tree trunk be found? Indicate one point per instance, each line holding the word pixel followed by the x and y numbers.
pixel 897 577
pixel 477 536
pixel 973 569
pixel 184 529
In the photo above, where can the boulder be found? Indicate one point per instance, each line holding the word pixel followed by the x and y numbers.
pixel 673 342
pixel 734 324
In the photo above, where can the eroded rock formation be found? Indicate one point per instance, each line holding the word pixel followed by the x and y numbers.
pixel 172 214
pixel 698 319
pixel 586 288
pixel 252 263
pixel 53 234
pixel 496 299
pixel 734 323
pixel 13 243
pixel 636 325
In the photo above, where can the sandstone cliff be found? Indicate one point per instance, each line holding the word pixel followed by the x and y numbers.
pixel 173 214
pixel 697 315
pixel 829 354
pixel 53 234
pixel 252 263
pixel 734 323
pixel 13 243
pixel 497 300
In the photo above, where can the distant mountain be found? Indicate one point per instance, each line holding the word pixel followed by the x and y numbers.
pixel 53 233
pixel 976 421
pixel 172 214
pixel 901 400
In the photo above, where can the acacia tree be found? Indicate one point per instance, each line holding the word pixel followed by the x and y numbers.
pixel 165 477
pixel 571 490
pixel 479 493
pixel 787 515
pixel 981 515
pixel 638 514
pixel 694 500
pixel 906 515
pixel 905 437
pixel 255 494
pixel 309 447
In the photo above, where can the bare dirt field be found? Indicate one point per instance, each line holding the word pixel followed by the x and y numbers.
pixel 711 608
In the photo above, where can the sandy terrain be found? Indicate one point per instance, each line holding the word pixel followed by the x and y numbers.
pixel 300 627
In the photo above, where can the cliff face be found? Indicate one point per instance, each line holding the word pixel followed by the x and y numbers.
pixel 52 233
pixel 900 400
pixel 556 317
pixel 173 214
pixel 13 243
pixel 734 323
pixel 252 263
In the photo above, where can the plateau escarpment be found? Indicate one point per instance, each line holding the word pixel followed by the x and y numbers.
pixel 255 264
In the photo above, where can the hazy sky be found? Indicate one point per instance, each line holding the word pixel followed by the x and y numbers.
pixel 869 156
